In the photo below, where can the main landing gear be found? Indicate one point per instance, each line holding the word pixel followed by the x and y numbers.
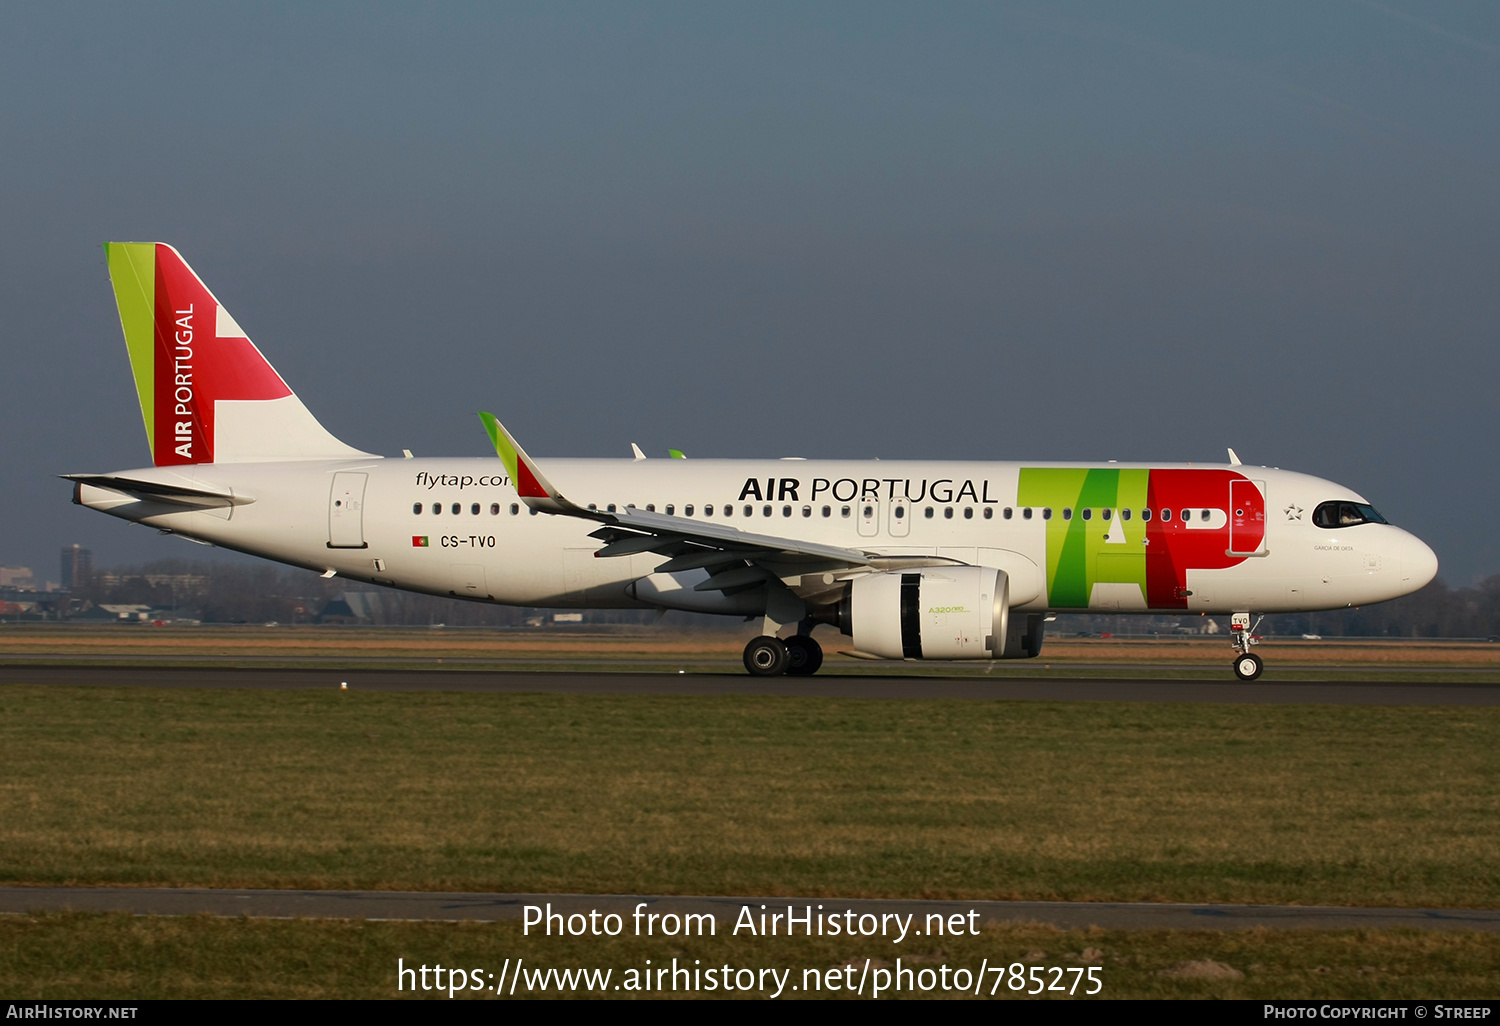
pixel 1247 665
pixel 797 656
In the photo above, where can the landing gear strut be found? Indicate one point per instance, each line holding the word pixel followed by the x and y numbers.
pixel 1247 665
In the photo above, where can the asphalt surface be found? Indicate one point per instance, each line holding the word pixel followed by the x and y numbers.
pixel 1122 689
pixel 445 906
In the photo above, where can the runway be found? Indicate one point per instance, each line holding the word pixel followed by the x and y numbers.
pixel 1121 689
pixel 455 907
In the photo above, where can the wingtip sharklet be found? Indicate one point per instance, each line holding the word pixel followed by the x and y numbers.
pixel 530 484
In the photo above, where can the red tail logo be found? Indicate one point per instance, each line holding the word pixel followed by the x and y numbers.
pixel 201 357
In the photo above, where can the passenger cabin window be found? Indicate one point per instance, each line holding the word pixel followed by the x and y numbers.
pixel 671 509
pixel 827 512
pixel 494 509
pixel 1046 512
pixel 1125 513
pixel 765 510
pixel 474 510
pixel 807 511
pixel 687 510
pixel 457 509
pixel 968 512
pixel 927 512
pixel 1026 513
pixel 989 512
pixel 437 507
pixel 1345 514
pixel 1067 512
pixel 1166 515
pixel 515 508
pixel 1088 514
pixel 948 512
pixel 1007 513
pixel 416 507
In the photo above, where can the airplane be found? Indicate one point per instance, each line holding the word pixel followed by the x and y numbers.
pixel 914 559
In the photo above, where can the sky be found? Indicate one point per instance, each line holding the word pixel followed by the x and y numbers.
pixel 1035 231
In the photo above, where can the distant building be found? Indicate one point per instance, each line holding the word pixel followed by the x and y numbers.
pixel 77 567
pixel 17 577
pixel 114 613
pixel 351 607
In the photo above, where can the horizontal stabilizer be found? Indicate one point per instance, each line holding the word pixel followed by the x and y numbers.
pixel 159 491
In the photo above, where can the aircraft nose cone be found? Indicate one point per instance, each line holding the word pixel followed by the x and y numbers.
pixel 1419 564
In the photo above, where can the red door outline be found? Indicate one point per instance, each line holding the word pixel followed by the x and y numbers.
pixel 1247 517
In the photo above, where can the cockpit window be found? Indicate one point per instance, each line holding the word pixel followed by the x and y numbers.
pixel 1345 514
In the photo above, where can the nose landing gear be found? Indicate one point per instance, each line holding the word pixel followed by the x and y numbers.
pixel 1247 665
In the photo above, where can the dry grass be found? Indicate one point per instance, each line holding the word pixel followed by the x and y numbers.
pixel 629 794
pixel 78 956
pixel 228 644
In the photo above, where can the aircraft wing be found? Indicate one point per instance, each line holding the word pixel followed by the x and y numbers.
pixel 735 559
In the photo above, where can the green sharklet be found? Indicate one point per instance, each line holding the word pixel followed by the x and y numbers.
pixel 503 447
pixel 1078 552
pixel 132 272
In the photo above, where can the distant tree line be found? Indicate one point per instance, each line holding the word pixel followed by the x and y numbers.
pixel 1437 611
pixel 267 592
pixel 264 592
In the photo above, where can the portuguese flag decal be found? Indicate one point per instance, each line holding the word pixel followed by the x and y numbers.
pixel 419 541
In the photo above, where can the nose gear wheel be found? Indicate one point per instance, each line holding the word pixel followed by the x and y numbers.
pixel 1248 666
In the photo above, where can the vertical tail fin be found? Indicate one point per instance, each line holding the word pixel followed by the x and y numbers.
pixel 207 394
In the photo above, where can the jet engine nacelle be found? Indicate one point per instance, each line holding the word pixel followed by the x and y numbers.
pixel 950 612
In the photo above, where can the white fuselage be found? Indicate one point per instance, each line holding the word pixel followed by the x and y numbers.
pixel 366 519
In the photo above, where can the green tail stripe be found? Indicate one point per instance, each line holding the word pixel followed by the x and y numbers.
pixel 503 447
pixel 132 271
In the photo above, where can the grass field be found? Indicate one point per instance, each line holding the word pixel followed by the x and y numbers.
pixel 718 651
pixel 106 956
pixel 737 795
